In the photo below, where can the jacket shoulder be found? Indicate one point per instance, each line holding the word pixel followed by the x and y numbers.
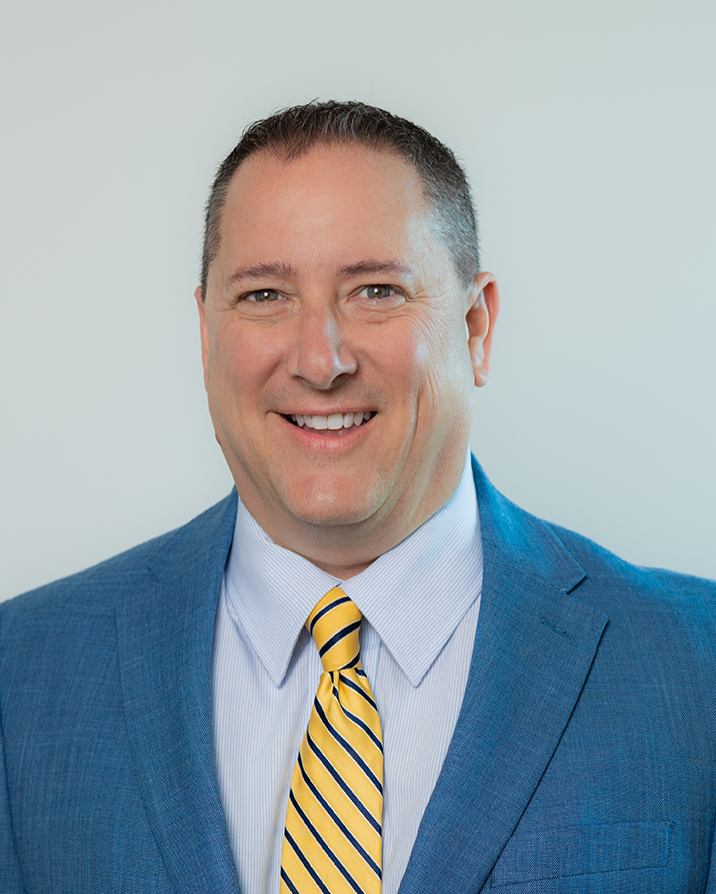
pixel 577 565
pixel 101 586
pixel 616 581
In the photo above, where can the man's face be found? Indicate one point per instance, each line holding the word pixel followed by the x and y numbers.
pixel 337 358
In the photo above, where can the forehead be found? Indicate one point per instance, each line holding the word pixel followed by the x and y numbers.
pixel 329 165
pixel 334 192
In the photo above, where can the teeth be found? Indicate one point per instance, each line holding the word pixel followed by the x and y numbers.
pixel 334 422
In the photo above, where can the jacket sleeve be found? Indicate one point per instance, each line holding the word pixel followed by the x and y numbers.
pixel 711 883
pixel 10 872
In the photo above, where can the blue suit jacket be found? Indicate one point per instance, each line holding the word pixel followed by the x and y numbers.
pixel 584 757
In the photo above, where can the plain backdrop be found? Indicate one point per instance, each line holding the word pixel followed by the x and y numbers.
pixel 589 134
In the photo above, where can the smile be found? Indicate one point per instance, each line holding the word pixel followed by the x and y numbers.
pixel 332 422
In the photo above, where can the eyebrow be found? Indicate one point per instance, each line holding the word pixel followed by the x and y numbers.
pixel 278 270
pixel 364 267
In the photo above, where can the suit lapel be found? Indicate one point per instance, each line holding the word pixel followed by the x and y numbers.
pixel 165 638
pixel 533 650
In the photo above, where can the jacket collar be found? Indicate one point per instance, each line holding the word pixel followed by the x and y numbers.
pixel 533 650
pixel 165 635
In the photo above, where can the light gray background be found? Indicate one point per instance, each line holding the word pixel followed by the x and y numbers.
pixel 589 133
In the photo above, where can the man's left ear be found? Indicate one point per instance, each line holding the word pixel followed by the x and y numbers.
pixel 483 306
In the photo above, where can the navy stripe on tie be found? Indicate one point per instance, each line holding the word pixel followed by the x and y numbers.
pixel 337 637
pixel 289 884
pixel 311 871
pixel 337 863
pixel 361 672
pixel 347 747
pixel 348 682
pixel 358 722
pixel 337 820
pixel 347 791
pixel 326 609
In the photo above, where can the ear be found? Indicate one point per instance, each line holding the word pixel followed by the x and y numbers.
pixel 483 305
pixel 204 334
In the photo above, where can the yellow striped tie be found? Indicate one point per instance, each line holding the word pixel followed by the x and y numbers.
pixel 332 842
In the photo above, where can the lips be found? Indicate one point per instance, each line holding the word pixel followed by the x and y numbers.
pixel 331 422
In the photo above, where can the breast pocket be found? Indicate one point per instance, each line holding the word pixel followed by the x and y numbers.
pixel 582 850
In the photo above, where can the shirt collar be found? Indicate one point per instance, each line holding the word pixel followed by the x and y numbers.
pixel 414 596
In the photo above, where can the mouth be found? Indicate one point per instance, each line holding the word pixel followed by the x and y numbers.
pixel 334 423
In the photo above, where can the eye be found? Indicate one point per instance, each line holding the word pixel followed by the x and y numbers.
pixel 262 296
pixel 380 291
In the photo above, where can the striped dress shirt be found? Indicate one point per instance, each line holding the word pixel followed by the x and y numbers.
pixel 420 603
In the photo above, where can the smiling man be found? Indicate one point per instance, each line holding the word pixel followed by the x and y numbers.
pixel 335 352
pixel 365 670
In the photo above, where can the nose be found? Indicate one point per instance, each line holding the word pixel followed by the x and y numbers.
pixel 321 355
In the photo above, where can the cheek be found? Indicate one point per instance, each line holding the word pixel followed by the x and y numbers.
pixel 238 362
pixel 442 362
pixel 405 364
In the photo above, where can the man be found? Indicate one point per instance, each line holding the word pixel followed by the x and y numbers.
pixel 521 710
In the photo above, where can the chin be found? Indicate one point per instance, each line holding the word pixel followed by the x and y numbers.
pixel 330 515
pixel 328 507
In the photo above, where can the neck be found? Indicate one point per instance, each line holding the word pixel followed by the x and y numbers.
pixel 344 549
pixel 341 550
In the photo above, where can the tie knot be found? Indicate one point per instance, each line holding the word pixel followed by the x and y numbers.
pixel 334 624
